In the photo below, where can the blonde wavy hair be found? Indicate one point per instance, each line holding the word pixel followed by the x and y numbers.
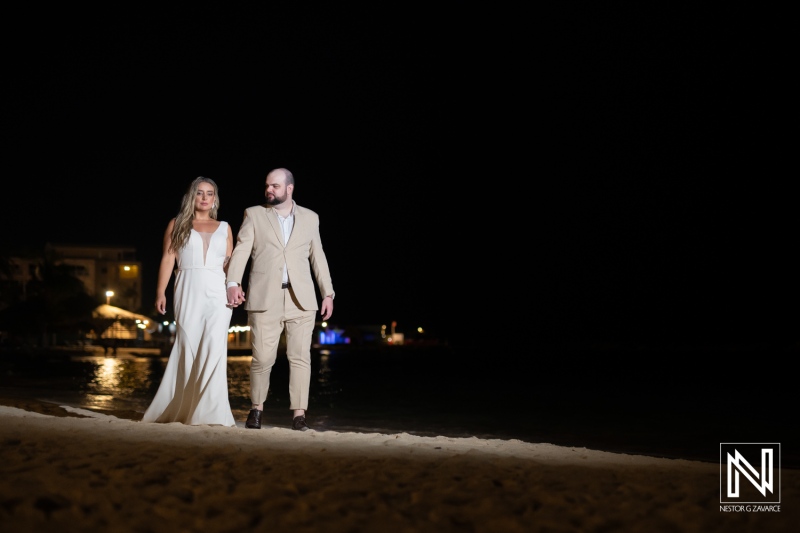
pixel 184 218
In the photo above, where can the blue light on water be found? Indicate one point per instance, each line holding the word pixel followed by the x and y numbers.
pixel 332 336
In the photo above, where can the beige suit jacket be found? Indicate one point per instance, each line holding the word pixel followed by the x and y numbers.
pixel 260 239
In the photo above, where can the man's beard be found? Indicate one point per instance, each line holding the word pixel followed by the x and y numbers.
pixel 276 200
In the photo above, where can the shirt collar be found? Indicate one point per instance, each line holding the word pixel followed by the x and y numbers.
pixel 291 213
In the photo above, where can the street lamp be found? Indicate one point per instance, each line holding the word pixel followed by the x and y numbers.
pixel 109 294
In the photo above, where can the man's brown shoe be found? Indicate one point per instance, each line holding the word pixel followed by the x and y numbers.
pixel 299 423
pixel 253 419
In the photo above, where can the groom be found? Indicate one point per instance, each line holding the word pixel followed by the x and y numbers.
pixel 283 240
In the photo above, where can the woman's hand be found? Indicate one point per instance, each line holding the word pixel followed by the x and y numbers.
pixel 161 304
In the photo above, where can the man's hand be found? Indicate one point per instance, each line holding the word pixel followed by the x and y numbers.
pixel 235 296
pixel 327 308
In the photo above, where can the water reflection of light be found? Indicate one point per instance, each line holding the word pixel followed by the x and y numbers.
pixel 245 358
pixel 128 384
pixel 120 376
pixel 108 373
pixel 121 381
pixel 324 366
pixel 99 401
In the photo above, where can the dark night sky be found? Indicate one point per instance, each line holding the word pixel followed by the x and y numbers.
pixel 580 174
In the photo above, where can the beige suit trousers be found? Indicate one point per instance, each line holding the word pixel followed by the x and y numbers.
pixel 265 334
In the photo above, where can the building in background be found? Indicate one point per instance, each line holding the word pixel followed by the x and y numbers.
pixel 110 273
pixel 113 322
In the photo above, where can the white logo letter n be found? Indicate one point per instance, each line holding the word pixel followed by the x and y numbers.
pixel 738 462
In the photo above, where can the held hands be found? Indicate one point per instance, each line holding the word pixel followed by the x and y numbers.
pixel 235 296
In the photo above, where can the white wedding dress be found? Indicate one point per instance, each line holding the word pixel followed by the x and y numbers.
pixel 194 388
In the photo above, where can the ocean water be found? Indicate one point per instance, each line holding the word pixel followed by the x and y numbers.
pixel 658 403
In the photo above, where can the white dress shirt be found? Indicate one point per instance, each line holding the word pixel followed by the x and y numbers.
pixel 287 223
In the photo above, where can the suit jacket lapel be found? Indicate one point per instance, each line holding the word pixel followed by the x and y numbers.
pixel 298 223
pixel 272 219
pixel 297 227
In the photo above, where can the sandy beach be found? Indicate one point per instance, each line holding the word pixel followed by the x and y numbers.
pixel 68 469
